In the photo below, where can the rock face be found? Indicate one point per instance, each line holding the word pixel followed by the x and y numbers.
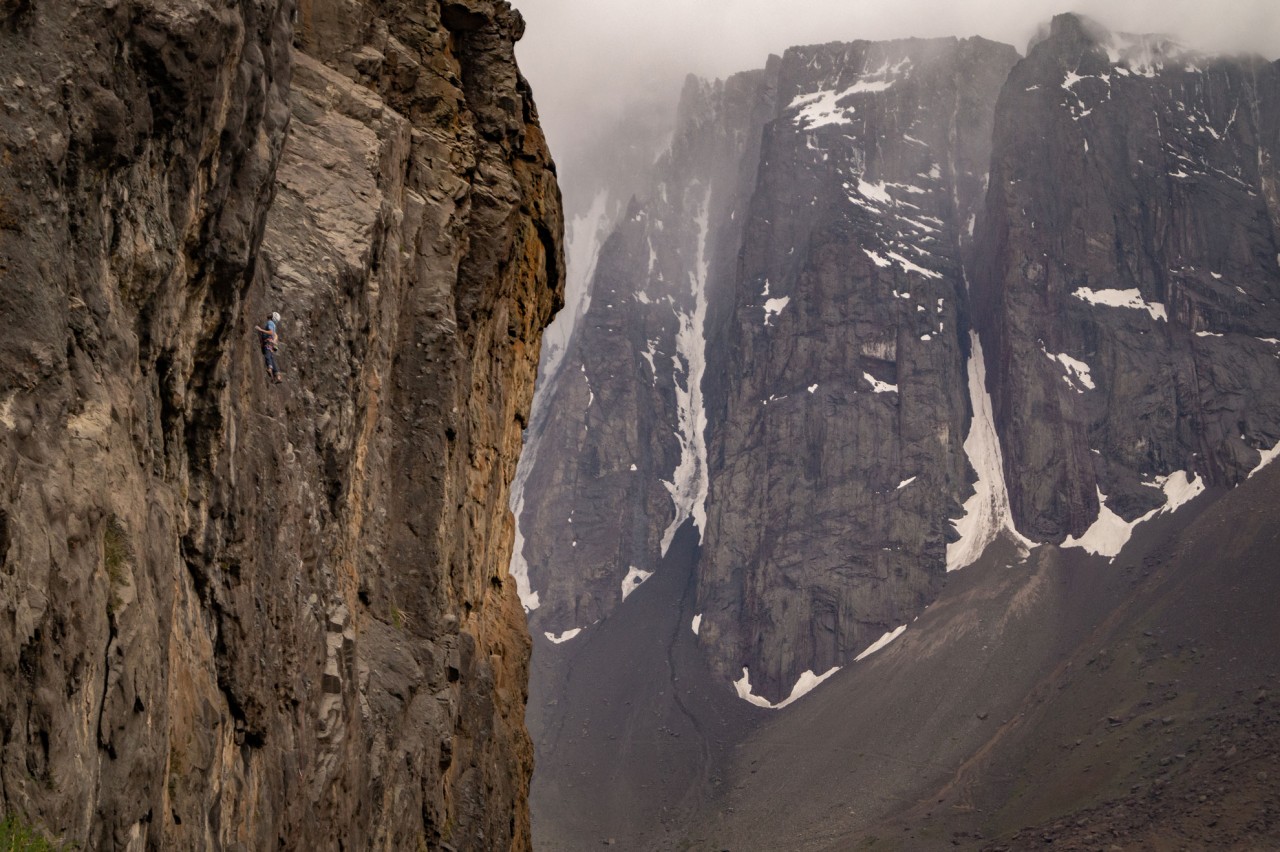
pixel 902 359
pixel 619 453
pixel 801 257
pixel 243 615
pixel 1129 291
pixel 837 460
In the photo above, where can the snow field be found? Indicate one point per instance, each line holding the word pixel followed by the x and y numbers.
pixel 633 580
pixel 688 484
pixel 1077 371
pixel 1122 299
pixel 878 386
pixel 880 643
pixel 1109 533
pixel 986 512
pixel 563 637
pixel 806 684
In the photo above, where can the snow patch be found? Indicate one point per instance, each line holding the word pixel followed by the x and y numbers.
pixel 878 386
pixel 688 485
pixel 866 86
pixel 743 687
pixel 874 191
pixel 650 351
pixel 877 259
pixel 697 624
pixel 1109 532
pixel 807 682
pixel 880 643
pixel 563 637
pixel 773 307
pixel 1268 456
pixel 1122 299
pixel 803 686
pixel 812 388
pixel 912 267
pixel 986 512
pixel 1077 371
pixel 633 580
pixel 519 566
pixel 821 108
pixel 904 483
pixel 585 235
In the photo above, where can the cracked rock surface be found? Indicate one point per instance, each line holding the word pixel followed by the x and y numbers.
pixel 234 614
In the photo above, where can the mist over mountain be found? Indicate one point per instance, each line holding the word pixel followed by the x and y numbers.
pixel 901 389
pixel 591 63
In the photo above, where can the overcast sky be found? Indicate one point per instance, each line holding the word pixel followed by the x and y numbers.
pixel 586 59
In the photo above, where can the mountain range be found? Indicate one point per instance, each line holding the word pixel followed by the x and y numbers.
pixel 886 312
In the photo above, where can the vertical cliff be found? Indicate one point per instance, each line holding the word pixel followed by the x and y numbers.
pixel 621 459
pixel 777 348
pixel 239 614
pixel 1129 288
pixel 837 459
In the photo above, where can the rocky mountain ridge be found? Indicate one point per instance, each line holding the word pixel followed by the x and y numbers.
pixel 964 310
pixel 233 614
pixel 908 359
pixel 1145 331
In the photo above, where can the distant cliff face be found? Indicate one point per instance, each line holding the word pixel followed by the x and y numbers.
pixel 619 459
pixel 236 614
pixel 1129 286
pixel 777 341
pixel 853 359
pixel 837 457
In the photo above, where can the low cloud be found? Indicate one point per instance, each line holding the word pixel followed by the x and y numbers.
pixel 589 61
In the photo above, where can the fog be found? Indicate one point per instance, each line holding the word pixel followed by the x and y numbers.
pixel 589 60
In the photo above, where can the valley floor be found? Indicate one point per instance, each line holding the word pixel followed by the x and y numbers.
pixel 1064 702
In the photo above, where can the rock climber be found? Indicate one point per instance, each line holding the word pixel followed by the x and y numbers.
pixel 270 340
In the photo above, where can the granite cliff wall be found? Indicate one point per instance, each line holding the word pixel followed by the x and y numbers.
pixel 1130 273
pixel 777 340
pixel 620 460
pixel 836 458
pixel 950 295
pixel 242 615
